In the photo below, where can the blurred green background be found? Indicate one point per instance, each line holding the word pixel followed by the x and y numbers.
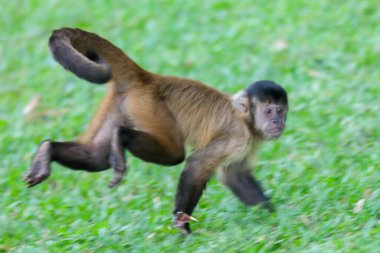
pixel 323 175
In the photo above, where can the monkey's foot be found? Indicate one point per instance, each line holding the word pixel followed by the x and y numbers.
pixel 37 173
pixel 115 181
pixel 181 220
pixel 117 161
pixel 119 171
pixel 40 169
pixel 267 205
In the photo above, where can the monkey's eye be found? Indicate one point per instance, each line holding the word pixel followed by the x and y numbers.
pixel 279 110
pixel 268 110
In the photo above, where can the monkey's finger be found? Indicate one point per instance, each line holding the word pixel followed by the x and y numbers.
pixel 185 230
pixel 182 222
pixel 181 217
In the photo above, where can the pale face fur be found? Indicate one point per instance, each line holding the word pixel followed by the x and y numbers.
pixel 270 119
pixel 266 118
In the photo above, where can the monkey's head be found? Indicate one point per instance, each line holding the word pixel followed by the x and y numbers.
pixel 264 105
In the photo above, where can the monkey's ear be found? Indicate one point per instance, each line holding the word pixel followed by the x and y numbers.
pixel 240 100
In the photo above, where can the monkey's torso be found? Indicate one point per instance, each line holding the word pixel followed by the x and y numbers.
pixel 202 112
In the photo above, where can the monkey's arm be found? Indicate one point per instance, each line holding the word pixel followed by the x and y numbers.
pixel 238 178
pixel 198 169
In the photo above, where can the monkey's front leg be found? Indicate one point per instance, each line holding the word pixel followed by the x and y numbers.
pixel 191 185
pixel 238 177
pixel 199 168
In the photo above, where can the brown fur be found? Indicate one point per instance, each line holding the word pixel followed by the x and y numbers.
pixel 154 117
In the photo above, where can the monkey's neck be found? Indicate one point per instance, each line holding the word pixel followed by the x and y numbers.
pixel 258 136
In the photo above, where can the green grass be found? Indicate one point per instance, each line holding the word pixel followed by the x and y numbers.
pixel 327 160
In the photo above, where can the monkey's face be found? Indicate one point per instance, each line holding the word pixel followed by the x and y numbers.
pixel 269 119
pixel 264 105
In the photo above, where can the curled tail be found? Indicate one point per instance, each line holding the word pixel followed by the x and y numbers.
pixel 88 55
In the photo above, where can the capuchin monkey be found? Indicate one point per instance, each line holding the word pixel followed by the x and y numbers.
pixel 154 117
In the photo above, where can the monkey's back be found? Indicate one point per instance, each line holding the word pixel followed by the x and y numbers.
pixel 202 112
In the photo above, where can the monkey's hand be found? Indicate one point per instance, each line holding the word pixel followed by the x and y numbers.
pixel 181 220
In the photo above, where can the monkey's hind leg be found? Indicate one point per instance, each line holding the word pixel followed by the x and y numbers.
pixel 146 147
pixel 117 158
pixel 153 135
pixel 73 155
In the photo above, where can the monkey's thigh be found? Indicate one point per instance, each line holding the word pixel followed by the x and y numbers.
pixel 155 136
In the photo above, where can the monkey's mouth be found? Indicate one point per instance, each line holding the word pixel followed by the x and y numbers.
pixel 275 130
pixel 273 133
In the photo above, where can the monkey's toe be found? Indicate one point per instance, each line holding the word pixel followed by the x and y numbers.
pixel 37 173
pixel 114 182
pixel 267 205
pixel 32 179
